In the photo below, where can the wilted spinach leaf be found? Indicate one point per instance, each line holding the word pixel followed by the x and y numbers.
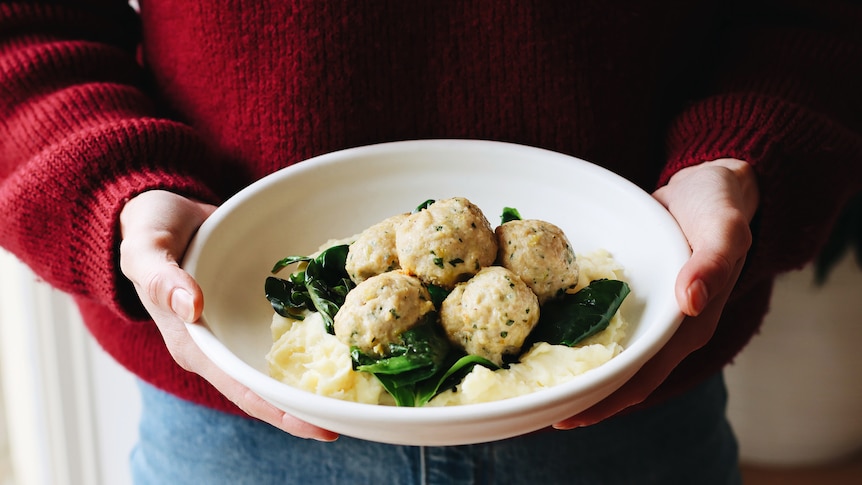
pixel 422 347
pixel 438 294
pixel 287 297
pixel 574 317
pixel 321 286
pixel 509 214
pixel 419 365
pixel 423 205
pixel 449 376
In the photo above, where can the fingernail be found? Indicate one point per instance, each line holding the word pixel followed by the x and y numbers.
pixel 182 304
pixel 698 296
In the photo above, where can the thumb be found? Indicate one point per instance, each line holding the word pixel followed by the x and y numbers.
pixel 162 286
pixel 172 289
pixel 713 263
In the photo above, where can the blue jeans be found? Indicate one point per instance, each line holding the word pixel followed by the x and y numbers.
pixel 684 441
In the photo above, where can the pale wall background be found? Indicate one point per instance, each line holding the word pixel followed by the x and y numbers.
pixel 71 412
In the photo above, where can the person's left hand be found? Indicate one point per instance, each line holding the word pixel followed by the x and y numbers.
pixel 713 203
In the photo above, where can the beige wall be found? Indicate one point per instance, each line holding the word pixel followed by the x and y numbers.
pixel 795 393
pixel 73 410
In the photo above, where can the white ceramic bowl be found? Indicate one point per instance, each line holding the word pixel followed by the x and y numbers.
pixel 293 211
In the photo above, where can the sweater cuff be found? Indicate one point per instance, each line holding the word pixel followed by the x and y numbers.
pixel 171 158
pixel 63 214
pixel 115 288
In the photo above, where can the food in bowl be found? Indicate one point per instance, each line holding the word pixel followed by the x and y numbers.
pixel 435 308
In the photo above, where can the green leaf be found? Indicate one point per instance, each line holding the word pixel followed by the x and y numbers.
pixel 438 294
pixel 280 265
pixel 330 265
pixel 321 286
pixel 284 298
pixel 574 317
pixel 405 396
pixel 412 365
pixel 423 205
pixel 449 377
pixel 510 214
pixel 423 346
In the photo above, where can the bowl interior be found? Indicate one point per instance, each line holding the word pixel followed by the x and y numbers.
pixel 293 211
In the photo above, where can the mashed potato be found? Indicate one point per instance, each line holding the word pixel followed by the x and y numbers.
pixel 306 357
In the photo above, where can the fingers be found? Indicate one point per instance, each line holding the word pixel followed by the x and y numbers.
pixel 713 204
pixel 693 333
pixel 156 228
pixel 254 405
pixel 190 357
pixel 713 260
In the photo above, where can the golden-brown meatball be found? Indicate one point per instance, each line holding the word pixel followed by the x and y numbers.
pixel 448 242
pixel 491 314
pixel 380 309
pixel 373 252
pixel 540 254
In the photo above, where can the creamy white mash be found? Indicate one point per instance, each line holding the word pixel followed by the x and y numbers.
pixel 305 356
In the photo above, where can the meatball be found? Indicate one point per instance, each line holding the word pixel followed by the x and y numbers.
pixel 540 254
pixel 379 310
pixel 373 252
pixel 446 243
pixel 491 314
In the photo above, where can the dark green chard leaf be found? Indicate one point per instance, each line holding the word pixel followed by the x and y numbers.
pixel 288 261
pixel 404 396
pixel 285 298
pixel 510 214
pixel 449 376
pixel 423 205
pixel 330 264
pixel 328 282
pixel 572 318
pixel 322 286
pixel 438 294
pixel 420 366
pixel 421 351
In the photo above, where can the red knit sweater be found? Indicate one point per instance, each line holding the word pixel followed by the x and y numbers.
pixel 202 97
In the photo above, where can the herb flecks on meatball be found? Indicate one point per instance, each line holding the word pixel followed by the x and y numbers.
pixel 379 310
pixel 374 252
pixel 540 254
pixel 446 243
pixel 491 314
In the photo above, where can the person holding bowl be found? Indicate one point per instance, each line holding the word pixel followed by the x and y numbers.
pixel 122 129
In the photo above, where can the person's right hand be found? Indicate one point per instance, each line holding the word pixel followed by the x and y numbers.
pixel 156 228
pixel 714 203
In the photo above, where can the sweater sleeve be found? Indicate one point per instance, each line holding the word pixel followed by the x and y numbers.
pixel 79 137
pixel 787 99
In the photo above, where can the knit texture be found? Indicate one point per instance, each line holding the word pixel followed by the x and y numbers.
pixel 98 104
